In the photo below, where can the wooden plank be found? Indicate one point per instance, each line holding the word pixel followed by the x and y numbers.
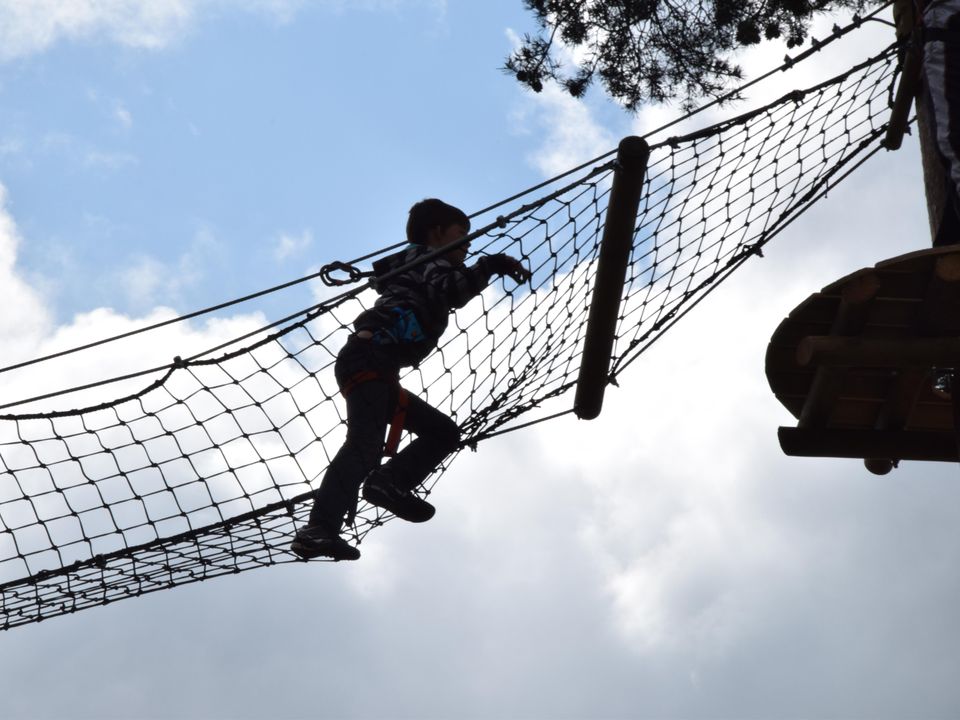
pixel 902 398
pixel 837 286
pixel 916 261
pixel 818 309
pixel 858 386
pixel 881 332
pixel 931 416
pixel 850 412
pixel 895 312
pixel 812 301
pixel 856 300
pixel 863 352
pixel 793 404
pixel 794 332
pixel 940 314
pixel 857 443
pixel 781 359
pixel 901 286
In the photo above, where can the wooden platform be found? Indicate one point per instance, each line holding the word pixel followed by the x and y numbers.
pixel 855 363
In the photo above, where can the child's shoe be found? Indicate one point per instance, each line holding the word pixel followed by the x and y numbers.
pixel 313 542
pixel 379 491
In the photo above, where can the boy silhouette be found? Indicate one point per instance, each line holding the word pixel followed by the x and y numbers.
pixel 400 330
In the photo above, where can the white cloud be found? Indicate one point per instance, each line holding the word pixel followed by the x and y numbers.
pixel 26 318
pixel 68 148
pixel 28 28
pixel 287 246
pixel 147 281
pixel 718 557
pixel 27 328
pixel 10 146
pixel 115 109
pixel 143 280
pixel 570 133
pixel 700 523
pixel 56 141
pixel 769 56
pixel 101 160
pixel 122 115
pixel 282 11
pixel 438 6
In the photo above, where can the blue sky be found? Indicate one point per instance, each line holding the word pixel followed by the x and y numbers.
pixel 322 125
pixel 159 156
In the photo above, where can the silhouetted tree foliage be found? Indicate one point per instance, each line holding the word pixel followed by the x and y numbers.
pixel 656 50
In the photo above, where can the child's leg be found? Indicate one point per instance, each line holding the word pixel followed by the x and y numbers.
pixel 369 407
pixel 437 436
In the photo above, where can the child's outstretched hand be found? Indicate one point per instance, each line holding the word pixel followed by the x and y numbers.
pixel 505 265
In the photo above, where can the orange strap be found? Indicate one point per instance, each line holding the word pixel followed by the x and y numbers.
pixel 396 423
pixel 399 413
pixel 362 377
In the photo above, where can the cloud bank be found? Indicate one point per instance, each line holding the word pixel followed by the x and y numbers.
pixel 28 28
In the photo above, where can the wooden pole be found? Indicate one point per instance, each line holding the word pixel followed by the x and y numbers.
pixel 934 177
pixel 909 85
pixel 615 248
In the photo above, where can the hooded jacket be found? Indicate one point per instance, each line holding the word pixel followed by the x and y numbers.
pixel 414 305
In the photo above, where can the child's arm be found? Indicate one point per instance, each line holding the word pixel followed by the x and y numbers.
pixel 458 285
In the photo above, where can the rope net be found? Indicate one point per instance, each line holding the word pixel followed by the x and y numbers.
pixel 209 470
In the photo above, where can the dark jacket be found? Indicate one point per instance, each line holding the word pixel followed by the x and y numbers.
pixel 414 305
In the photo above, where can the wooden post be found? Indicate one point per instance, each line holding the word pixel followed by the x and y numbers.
pixel 615 247
pixel 934 178
pixel 909 85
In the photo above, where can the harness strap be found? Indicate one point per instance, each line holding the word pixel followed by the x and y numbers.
pixel 362 377
pixel 399 412
pixel 397 422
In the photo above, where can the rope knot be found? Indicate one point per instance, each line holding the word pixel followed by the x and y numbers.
pixel 354 274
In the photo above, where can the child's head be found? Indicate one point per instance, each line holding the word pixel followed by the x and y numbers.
pixel 433 217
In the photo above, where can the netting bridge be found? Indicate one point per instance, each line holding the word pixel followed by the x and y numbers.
pixel 209 469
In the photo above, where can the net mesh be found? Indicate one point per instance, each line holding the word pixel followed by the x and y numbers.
pixel 209 470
